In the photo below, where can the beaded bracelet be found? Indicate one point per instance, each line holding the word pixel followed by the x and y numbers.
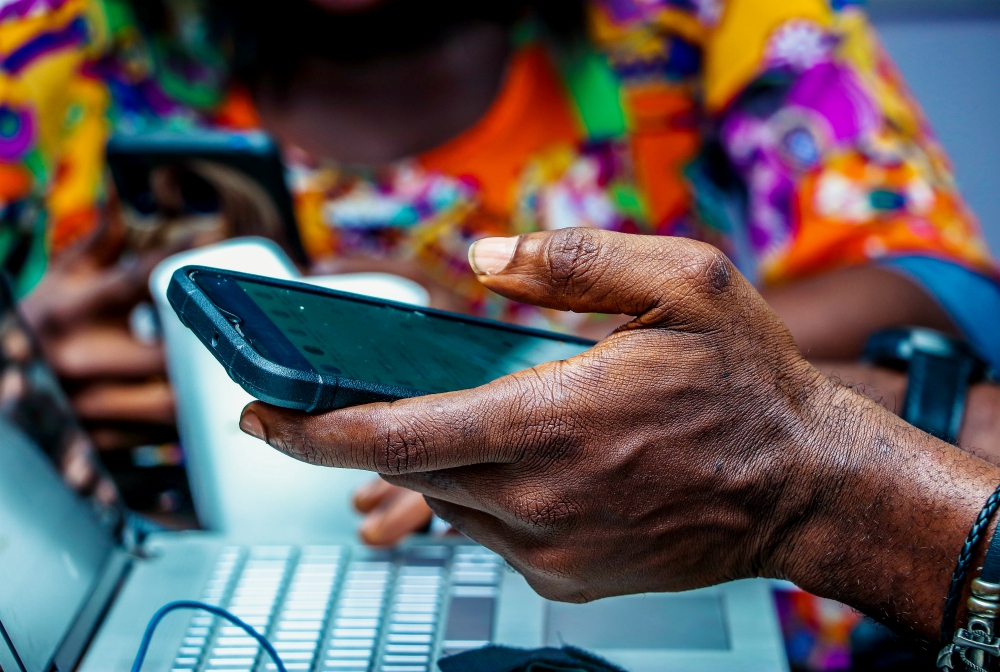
pixel 976 643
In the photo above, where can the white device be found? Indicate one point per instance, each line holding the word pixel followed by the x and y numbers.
pixel 238 483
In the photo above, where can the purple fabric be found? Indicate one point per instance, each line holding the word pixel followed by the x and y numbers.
pixel 17 132
pixel 825 109
pixel 21 8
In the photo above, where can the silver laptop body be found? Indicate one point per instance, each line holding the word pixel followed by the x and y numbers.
pixel 70 590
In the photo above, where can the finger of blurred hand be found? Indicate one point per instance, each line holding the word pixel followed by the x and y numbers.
pixel 103 351
pixel 399 514
pixel 371 494
pixel 149 401
pixel 65 298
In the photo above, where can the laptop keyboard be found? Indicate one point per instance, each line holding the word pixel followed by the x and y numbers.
pixel 344 609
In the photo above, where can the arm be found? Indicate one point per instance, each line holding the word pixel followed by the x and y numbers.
pixel 693 446
pixel 832 315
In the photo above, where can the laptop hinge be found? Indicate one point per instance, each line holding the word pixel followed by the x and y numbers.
pixel 85 626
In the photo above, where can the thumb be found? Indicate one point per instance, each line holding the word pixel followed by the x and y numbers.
pixel 670 281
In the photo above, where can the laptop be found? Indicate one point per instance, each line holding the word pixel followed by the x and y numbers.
pixel 79 581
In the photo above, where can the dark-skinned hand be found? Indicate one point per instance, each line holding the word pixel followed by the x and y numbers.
pixel 692 446
pixel 80 312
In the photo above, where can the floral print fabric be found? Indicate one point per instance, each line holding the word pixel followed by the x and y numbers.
pixel 825 159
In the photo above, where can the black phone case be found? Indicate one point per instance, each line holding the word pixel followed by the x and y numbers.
pixel 131 158
pixel 312 392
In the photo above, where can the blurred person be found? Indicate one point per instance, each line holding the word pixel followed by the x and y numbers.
pixel 778 131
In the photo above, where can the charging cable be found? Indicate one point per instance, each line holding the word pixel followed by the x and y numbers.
pixel 147 637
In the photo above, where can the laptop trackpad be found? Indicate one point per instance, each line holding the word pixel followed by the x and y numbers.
pixel 640 622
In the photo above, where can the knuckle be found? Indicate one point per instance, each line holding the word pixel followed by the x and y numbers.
pixel 538 511
pixel 573 256
pixel 402 450
pixel 711 269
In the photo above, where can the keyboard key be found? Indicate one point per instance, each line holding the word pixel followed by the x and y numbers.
pixel 298 635
pixel 354 633
pixel 341 654
pixel 302 625
pixel 351 612
pixel 231 662
pixel 185 662
pixel 411 628
pixel 413 618
pixel 406 608
pixel 342 643
pixel 350 602
pixel 356 623
pixel 289 615
pixel 296 646
pixel 236 642
pixel 424 649
pixel 396 638
pixel 233 651
pixel 405 660
pixel 417 598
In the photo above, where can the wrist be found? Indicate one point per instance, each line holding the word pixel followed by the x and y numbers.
pixel 888 510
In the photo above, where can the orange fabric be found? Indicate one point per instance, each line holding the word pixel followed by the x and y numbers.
pixel 664 139
pixel 237 111
pixel 15 182
pixel 72 227
pixel 824 241
pixel 532 112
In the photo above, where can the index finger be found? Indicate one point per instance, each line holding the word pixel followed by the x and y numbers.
pixel 489 424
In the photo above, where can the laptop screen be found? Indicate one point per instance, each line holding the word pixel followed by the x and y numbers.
pixel 53 549
pixel 54 543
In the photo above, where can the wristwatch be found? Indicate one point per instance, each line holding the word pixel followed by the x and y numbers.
pixel 940 369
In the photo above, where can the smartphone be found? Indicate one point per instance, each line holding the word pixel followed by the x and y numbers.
pixel 196 172
pixel 314 349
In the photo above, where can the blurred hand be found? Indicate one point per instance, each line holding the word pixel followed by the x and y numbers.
pixel 80 313
pixel 391 513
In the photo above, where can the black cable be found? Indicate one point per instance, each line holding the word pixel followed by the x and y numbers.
pixel 964 564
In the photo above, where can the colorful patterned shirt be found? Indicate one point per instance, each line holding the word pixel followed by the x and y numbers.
pixel 778 130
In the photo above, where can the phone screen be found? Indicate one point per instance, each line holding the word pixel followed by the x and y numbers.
pixel 375 342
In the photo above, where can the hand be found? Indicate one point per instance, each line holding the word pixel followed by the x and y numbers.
pixel 536 463
pixel 391 513
pixel 79 311
pixel 692 446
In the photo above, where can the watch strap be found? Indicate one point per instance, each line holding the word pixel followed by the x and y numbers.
pixel 935 394
pixel 940 369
